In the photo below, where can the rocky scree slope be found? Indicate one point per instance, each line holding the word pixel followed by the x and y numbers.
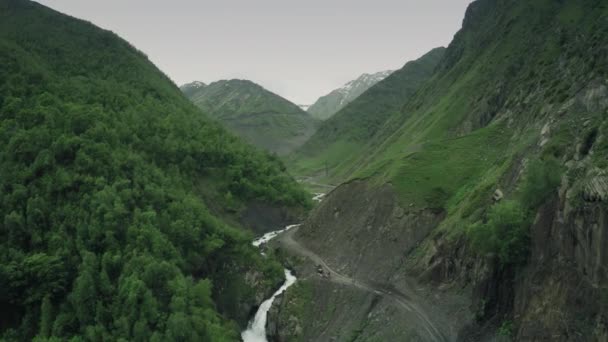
pixel 259 116
pixel 121 201
pixel 328 105
pixel 499 162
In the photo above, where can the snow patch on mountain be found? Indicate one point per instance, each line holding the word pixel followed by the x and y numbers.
pixel 331 103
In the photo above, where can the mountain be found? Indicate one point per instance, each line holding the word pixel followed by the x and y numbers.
pixel 476 209
pixel 330 104
pixel 343 136
pixel 125 210
pixel 190 88
pixel 261 117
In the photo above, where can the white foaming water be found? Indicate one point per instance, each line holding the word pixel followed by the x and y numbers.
pixel 269 236
pixel 256 332
pixel 318 197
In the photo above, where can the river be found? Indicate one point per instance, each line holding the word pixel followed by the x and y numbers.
pixel 256 330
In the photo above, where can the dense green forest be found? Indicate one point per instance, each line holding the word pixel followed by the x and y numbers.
pixel 107 173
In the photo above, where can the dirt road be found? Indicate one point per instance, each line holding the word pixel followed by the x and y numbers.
pixel 400 299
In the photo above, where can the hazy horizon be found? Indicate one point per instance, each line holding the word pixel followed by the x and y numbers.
pixel 300 51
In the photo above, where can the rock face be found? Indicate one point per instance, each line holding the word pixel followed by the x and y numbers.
pixel 369 224
pixel 596 189
pixel 561 295
pixel 330 104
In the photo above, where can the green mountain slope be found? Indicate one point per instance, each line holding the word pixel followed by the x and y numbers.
pixel 328 105
pixel 117 194
pixel 490 98
pixel 262 118
pixel 344 135
pixel 493 177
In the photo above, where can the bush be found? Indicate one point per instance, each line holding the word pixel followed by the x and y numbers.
pixel 506 329
pixel 505 233
pixel 542 179
pixel 506 229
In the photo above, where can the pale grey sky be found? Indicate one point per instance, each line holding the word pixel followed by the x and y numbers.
pixel 300 49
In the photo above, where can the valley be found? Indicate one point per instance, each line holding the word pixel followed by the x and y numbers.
pixel 461 197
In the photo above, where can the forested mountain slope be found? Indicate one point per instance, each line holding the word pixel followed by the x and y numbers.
pixel 487 189
pixel 342 137
pixel 259 116
pixel 108 173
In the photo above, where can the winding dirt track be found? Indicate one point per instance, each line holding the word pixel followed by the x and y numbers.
pixel 403 301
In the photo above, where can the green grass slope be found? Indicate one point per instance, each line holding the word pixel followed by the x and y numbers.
pixel 519 103
pixel 490 98
pixel 344 135
pixel 259 116
pixel 106 173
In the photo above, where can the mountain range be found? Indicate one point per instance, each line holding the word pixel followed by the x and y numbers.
pixel 463 196
pixel 328 105
pixel 259 116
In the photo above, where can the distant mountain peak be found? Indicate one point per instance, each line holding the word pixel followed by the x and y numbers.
pixel 258 115
pixel 331 103
pixel 195 84
pixel 192 87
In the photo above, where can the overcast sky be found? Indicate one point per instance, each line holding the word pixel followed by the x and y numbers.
pixel 300 49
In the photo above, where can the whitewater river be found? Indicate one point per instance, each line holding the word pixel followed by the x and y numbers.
pixel 256 330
